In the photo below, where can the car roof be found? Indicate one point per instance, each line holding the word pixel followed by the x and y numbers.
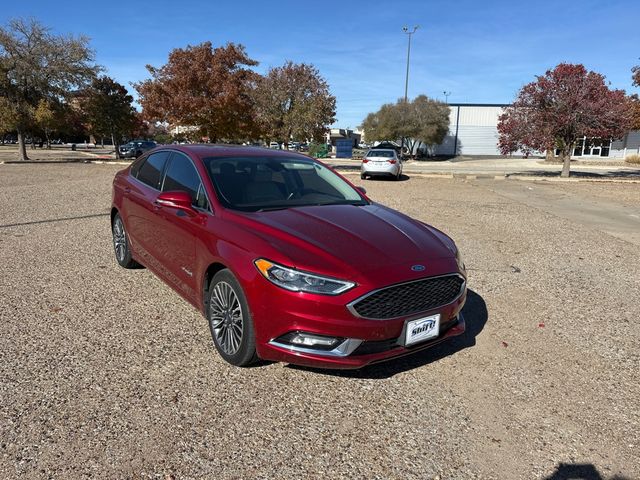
pixel 226 150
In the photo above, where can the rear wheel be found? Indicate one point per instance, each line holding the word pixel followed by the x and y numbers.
pixel 121 244
pixel 363 176
pixel 230 321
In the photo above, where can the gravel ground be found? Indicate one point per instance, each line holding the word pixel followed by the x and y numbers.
pixel 96 384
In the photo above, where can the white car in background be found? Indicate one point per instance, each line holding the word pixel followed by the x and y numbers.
pixel 381 163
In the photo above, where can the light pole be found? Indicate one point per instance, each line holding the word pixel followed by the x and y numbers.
pixel 406 80
pixel 446 96
pixel 406 30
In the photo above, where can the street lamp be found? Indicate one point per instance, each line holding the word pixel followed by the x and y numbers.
pixel 446 96
pixel 406 30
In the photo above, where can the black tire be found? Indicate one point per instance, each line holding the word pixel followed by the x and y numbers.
pixel 363 176
pixel 121 245
pixel 138 154
pixel 230 320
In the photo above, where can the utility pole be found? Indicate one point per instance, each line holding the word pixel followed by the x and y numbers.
pixel 406 30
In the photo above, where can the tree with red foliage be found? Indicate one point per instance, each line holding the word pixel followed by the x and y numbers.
pixel 203 87
pixel 562 105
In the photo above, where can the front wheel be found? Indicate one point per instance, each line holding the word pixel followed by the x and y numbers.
pixel 121 244
pixel 230 321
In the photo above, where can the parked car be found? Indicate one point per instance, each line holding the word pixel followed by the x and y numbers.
pixel 274 145
pixel 136 148
pixel 381 163
pixel 286 259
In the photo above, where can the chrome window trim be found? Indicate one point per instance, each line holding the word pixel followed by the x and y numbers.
pixel 143 159
pixel 204 190
pixel 350 305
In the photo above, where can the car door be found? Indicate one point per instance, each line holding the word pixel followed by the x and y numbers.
pixel 175 242
pixel 138 204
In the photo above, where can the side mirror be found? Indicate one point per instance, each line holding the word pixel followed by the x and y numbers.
pixel 362 190
pixel 176 199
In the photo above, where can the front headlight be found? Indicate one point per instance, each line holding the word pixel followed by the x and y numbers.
pixel 298 281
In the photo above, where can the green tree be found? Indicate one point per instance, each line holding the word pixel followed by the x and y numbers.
pixel 37 65
pixel 294 102
pixel 635 100
pixel 422 120
pixel 203 87
pixel 48 116
pixel 109 110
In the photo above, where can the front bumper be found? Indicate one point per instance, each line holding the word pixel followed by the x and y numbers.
pixel 279 312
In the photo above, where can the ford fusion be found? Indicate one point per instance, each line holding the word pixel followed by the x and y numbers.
pixel 286 259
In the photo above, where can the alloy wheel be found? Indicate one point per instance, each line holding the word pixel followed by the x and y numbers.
pixel 119 239
pixel 226 318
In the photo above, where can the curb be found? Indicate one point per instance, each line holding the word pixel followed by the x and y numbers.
pixel 524 178
pixel 64 162
pixel 527 178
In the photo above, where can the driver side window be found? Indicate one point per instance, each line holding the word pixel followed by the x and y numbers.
pixel 182 175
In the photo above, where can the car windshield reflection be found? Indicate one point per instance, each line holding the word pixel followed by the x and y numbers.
pixel 274 183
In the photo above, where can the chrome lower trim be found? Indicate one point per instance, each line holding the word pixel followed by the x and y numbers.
pixel 345 349
pixel 353 310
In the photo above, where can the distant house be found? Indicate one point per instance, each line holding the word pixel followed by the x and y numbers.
pixel 343 133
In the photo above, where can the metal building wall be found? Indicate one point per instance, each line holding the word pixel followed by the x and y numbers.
pixel 476 128
pixel 627 146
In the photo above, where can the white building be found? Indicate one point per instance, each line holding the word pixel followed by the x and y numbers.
pixel 473 130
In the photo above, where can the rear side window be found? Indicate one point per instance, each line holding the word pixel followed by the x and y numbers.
pixel 182 175
pixel 150 171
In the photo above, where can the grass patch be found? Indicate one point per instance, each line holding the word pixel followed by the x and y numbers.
pixel 635 159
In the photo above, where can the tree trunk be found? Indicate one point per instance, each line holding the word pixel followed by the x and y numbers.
pixel 550 155
pixel 47 135
pixel 22 148
pixel 113 141
pixel 566 160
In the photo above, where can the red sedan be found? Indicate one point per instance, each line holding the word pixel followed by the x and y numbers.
pixel 286 259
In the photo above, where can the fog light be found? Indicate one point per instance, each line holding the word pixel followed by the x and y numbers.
pixel 303 342
pixel 310 340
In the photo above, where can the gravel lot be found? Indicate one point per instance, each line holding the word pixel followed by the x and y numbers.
pixel 96 384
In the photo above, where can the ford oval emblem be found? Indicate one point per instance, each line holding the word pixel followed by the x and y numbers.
pixel 417 268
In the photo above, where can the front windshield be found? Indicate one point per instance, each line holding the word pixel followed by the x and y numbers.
pixel 270 183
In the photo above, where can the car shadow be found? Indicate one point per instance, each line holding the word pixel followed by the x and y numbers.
pixel 403 178
pixel 475 315
pixel 579 471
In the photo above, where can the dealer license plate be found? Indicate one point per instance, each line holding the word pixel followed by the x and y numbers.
pixel 422 329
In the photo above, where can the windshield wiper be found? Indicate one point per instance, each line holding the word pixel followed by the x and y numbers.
pixel 272 209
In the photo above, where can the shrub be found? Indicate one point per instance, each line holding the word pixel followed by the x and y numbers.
pixel 635 159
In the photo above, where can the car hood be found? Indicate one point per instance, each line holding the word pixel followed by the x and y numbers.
pixel 360 238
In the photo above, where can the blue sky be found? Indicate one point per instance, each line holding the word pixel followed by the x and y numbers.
pixel 481 52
